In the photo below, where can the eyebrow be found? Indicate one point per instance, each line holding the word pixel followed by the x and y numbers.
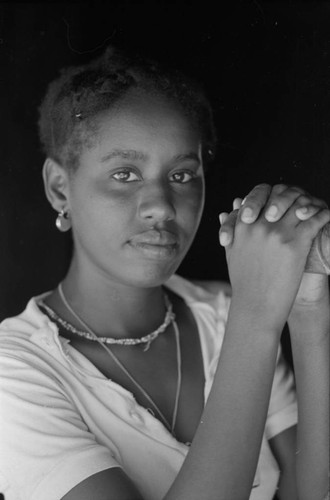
pixel 187 156
pixel 133 155
pixel 126 154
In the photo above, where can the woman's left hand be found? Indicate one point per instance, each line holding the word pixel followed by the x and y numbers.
pixel 274 203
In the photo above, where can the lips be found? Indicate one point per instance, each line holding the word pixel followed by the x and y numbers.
pixel 155 237
pixel 159 244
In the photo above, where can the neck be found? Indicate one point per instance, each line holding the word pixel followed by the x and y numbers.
pixel 113 309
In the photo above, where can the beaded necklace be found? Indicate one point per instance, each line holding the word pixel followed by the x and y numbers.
pixel 147 339
pixel 169 318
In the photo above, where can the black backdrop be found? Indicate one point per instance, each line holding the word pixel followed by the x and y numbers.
pixel 264 65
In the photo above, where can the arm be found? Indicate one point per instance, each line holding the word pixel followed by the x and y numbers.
pixel 266 264
pixel 46 419
pixel 284 447
pixel 223 457
pixel 309 331
pixel 264 269
pixel 110 484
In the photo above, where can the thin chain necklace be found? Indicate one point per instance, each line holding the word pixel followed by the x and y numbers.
pixel 147 339
pixel 170 426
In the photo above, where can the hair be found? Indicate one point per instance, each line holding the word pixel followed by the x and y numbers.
pixel 69 111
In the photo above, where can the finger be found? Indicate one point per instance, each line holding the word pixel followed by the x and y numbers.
pixel 316 223
pixel 254 203
pixel 303 209
pixel 306 206
pixel 237 203
pixel 222 217
pixel 281 199
pixel 226 233
pixel 305 213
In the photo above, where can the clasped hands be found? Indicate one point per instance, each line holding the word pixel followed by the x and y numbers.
pixel 268 237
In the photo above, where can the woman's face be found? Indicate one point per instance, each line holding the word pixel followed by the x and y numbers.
pixel 137 196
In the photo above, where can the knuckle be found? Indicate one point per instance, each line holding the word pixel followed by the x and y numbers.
pixel 320 203
pixel 325 214
pixel 279 188
pixel 288 197
pixel 296 189
pixel 258 190
pixel 262 187
pixel 303 200
pixel 229 220
pixel 233 215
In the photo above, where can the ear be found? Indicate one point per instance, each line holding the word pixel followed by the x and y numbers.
pixel 56 183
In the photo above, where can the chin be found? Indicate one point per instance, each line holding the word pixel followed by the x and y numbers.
pixel 151 276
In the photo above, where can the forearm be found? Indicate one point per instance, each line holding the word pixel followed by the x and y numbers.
pixel 309 330
pixel 224 454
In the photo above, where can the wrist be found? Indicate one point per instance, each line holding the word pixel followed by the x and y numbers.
pixel 256 316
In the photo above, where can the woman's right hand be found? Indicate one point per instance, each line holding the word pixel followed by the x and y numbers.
pixel 266 259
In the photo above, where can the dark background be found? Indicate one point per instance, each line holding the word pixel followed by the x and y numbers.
pixel 264 65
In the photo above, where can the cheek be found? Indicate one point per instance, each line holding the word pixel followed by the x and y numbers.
pixel 99 202
pixel 100 218
pixel 192 206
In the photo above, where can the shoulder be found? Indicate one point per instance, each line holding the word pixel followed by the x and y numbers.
pixel 213 293
pixel 25 324
pixel 26 340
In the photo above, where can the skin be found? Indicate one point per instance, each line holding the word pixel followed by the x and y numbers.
pixel 308 322
pixel 108 276
pixel 137 188
pixel 145 170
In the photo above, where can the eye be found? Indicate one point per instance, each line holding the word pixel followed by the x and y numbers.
pixel 125 175
pixel 183 176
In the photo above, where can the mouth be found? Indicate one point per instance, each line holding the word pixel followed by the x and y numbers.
pixel 155 243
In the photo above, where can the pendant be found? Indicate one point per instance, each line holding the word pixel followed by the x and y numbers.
pixel 147 346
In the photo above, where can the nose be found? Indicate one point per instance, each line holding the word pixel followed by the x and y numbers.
pixel 156 204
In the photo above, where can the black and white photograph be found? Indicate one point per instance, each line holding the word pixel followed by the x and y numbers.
pixel 164 250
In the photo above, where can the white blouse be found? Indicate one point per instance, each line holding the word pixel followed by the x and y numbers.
pixel 62 420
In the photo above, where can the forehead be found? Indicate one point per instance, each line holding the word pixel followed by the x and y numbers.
pixel 141 120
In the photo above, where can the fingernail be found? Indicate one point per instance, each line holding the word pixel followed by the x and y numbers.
pixel 302 213
pixel 223 217
pixel 302 210
pixel 224 239
pixel 272 212
pixel 247 214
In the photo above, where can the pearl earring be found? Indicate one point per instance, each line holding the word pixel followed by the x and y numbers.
pixel 63 222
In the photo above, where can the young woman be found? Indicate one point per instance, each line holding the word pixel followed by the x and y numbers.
pixel 128 382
